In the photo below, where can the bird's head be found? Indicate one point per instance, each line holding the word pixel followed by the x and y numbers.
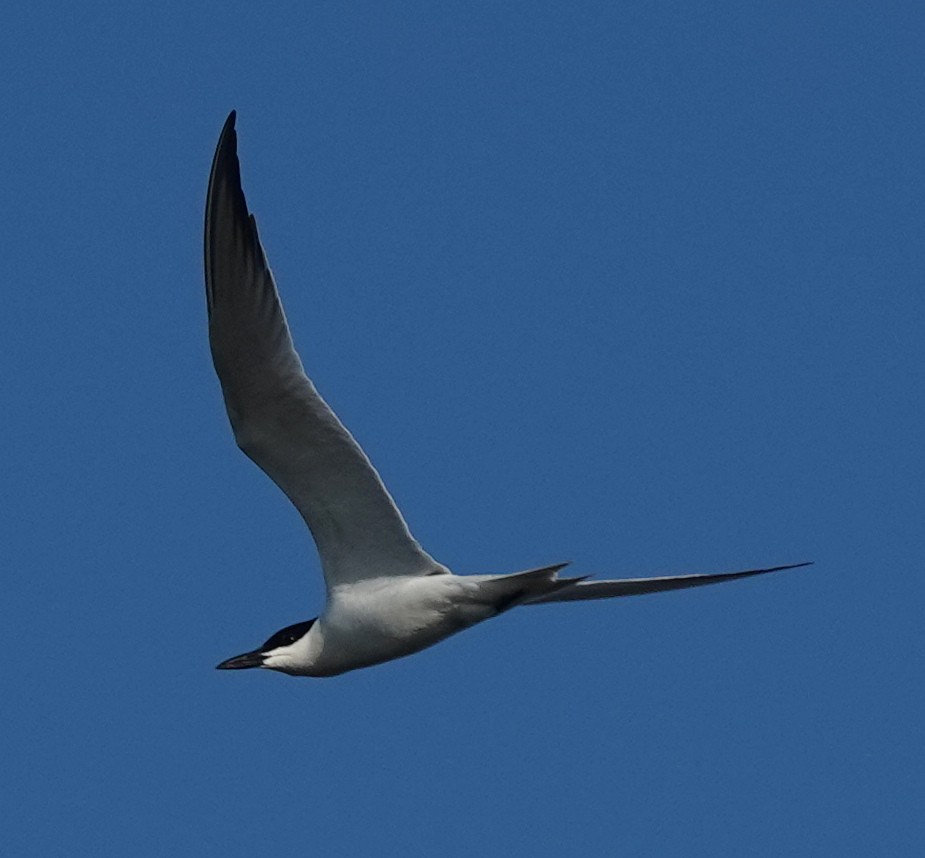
pixel 288 651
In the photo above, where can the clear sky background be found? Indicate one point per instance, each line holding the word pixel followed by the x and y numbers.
pixel 634 285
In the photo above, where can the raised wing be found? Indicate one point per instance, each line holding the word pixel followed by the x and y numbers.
pixel 278 418
pixel 638 586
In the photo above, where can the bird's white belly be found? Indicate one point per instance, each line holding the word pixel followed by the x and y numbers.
pixel 384 618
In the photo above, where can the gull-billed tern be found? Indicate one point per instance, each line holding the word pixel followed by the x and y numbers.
pixel 386 596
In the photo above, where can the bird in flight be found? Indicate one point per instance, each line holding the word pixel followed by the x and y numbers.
pixel 386 596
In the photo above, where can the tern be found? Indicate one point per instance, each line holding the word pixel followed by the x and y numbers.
pixel 386 596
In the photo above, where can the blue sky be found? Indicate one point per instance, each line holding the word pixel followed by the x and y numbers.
pixel 633 285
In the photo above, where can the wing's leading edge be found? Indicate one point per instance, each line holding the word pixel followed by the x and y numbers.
pixel 278 418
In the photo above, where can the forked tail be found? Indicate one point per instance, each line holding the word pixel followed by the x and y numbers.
pixel 507 591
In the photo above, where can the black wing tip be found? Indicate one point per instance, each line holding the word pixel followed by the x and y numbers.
pixel 228 125
pixel 790 566
pixel 225 171
pixel 228 138
pixel 749 573
pixel 225 160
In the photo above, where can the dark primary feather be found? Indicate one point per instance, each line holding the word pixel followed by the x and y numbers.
pixel 279 419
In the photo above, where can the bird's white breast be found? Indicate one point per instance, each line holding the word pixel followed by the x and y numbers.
pixel 378 619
